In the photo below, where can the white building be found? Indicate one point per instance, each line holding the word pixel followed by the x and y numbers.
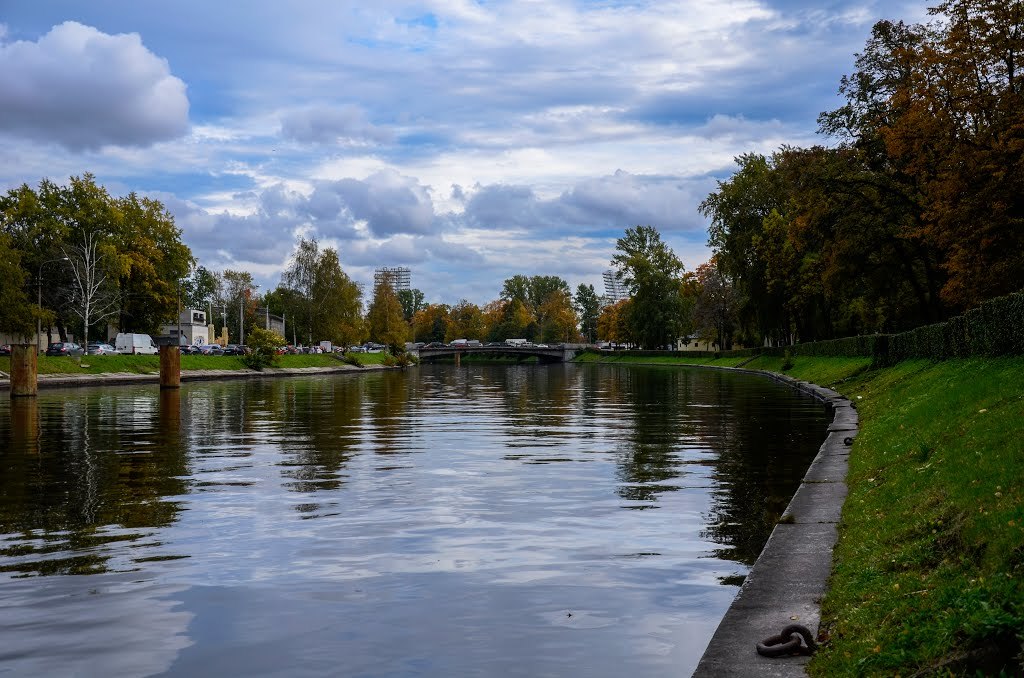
pixel 194 330
pixel 614 289
pixel 400 278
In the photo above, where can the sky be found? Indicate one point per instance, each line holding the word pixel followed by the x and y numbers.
pixel 467 140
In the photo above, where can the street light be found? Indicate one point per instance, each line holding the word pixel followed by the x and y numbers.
pixel 39 302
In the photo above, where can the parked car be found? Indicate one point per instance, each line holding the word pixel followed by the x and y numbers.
pixel 64 348
pixel 5 349
pixel 100 348
pixel 211 349
pixel 190 349
pixel 233 349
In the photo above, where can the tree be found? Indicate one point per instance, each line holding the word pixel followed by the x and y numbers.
pixel 466 321
pixel 94 297
pixel 588 307
pixel 516 287
pixel 386 324
pixel 240 310
pixel 322 300
pixel 651 271
pixel 612 323
pixel 431 323
pixel 412 301
pixel 939 108
pixel 557 319
pixel 516 322
pixel 716 304
pixel 17 313
pixel 300 276
pixel 199 289
pixel 147 261
pixel 339 303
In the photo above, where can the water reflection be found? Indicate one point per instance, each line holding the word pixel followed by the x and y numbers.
pixel 434 506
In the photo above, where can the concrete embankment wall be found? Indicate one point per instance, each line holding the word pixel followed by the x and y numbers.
pixel 786 584
pixel 115 378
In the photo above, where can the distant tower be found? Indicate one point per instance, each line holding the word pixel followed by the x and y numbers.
pixel 614 289
pixel 398 277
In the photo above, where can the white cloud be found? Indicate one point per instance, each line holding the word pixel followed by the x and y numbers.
pixel 325 125
pixel 84 89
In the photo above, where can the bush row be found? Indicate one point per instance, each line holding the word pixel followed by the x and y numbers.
pixel 996 328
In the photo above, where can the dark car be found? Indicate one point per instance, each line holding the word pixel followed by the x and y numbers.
pixel 190 349
pixel 64 348
pixel 234 349
pixel 211 349
pixel 5 349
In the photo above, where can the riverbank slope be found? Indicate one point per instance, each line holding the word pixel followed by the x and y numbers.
pixel 114 369
pixel 928 574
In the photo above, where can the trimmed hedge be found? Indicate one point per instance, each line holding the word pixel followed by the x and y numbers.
pixel 996 328
pixel 863 346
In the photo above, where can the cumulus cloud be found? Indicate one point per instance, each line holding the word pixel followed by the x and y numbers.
pixel 592 205
pixel 85 89
pixel 388 202
pixel 333 125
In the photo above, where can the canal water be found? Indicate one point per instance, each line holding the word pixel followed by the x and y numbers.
pixel 476 521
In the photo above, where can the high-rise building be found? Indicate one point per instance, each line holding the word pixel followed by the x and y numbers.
pixel 399 277
pixel 614 289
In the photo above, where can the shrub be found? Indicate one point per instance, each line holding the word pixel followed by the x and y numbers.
pixel 350 359
pixel 263 344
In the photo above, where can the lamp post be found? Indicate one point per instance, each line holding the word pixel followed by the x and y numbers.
pixel 179 314
pixel 39 302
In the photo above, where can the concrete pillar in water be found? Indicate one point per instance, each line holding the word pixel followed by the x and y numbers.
pixel 24 379
pixel 170 367
pixel 458 357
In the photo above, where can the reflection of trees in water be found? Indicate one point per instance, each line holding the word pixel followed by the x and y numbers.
pixel 761 435
pixel 86 470
pixel 386 405
pixel 649 456
pixel 539 406
pixel 764 440
pixel 320 424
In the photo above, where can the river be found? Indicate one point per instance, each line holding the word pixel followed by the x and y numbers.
pixel 440 521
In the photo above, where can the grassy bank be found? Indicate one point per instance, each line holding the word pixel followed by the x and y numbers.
pixel 929 571
pixel 150 364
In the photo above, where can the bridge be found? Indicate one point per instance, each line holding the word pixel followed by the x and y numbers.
pixel 552 354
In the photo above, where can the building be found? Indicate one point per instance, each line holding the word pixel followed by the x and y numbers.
pixel 399 277
pixel 614 289
pixel 194 330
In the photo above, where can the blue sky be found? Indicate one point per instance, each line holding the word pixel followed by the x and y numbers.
pixel 467 140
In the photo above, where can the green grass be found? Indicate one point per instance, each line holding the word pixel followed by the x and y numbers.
pixel 930 561
pixel 150 364
pixel 824 371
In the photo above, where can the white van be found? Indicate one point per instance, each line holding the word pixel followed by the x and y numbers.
pixel 130 342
